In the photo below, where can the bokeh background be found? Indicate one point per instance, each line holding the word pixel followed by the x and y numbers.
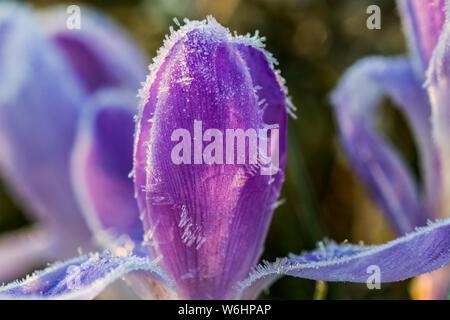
pixel 314 42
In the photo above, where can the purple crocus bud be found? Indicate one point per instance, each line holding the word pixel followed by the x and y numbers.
pixel 423 21
pixel 438 85
pixel 204 210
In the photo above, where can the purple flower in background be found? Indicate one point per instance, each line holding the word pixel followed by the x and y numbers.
pixel 427 109
pixel 47 75
pixel 196 230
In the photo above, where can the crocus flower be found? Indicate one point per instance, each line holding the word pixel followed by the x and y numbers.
pixel 47 74
pixel 200 224
pixel 426 108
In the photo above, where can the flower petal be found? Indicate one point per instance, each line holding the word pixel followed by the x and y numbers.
pixel 425 250
pixel 39 104
pixel 438 85
pixel 21 250
pixel 206 219
pixel 380 168
pixel 100 53
pixel 81 278
pixel 423 21
pixel 101 162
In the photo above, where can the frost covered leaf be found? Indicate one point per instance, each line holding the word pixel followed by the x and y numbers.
pixel 80 278
pixel 425 250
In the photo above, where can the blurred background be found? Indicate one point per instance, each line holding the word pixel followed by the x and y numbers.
pixel 315 41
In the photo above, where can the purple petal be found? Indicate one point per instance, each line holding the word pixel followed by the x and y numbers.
pixel 101 162
pixel 423 21
pixel 208 221
pixel 380 168
pixel 438 86
pixel 21 250
pixel 39 103
pixel 425 250
pixel 100 53
pixel 82 278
